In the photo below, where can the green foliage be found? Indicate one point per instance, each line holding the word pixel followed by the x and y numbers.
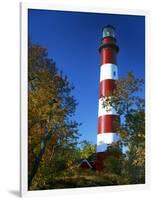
pixel 131 108
pixel 113 164
pixel 52 134
pixel 87 149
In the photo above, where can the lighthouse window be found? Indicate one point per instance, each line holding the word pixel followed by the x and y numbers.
pixel 114 73
pixel 108 33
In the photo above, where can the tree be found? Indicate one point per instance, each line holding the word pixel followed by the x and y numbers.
pixel 87 149
pixel 130 106
pixel 135 125
pixel 50 108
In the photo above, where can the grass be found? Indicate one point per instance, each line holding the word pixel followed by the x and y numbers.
pixel 79 181
pixel 80 178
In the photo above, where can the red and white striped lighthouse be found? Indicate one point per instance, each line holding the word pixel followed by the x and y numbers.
pixel 107 116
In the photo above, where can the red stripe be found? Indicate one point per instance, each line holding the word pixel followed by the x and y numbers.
pixel 108 40
pixel 107 87
pixel 101 89
pixel 108 55
pixel 108 124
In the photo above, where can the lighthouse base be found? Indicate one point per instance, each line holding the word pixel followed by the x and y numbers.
pixel 101 158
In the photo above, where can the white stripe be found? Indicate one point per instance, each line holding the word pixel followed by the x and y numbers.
pixel 107 110
pixel 109 71
pixel 107 138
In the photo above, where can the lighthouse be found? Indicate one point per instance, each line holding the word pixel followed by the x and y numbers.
pixel 107 115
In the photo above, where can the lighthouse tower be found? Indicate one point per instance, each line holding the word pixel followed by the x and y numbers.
pixel 107 115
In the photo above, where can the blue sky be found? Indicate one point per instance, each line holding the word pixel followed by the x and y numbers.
pixel 72 40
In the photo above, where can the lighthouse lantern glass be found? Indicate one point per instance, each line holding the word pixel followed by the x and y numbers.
pixel 108 32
